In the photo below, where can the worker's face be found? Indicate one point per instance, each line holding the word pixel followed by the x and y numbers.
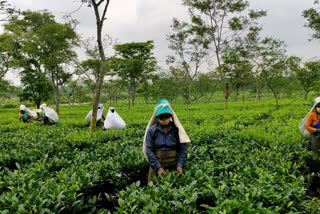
pixel 164 119
pixel 318 108
pixel 22 112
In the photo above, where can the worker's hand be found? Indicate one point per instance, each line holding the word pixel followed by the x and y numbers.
pixel 162 172
pixel 179 169
pixel 318 131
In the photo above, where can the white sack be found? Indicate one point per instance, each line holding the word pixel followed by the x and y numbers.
pixel 34 113
pixel 30 112
pixel 51 114
pixel 113 120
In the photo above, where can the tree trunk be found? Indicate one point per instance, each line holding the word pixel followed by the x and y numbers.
pixel 129 99
pixel 243 95
pixel 133 97
pixel 226 95
pixel 306 95
pixel 99 21
pixel 57 99
pixel 189 91
pixel 275 95
pixel 257 94
pixel 100 79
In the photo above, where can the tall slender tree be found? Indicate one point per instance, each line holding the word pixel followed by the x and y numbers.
pixel 190 48
pixel 223 21
pixel 100 8
pixel 237 67
pixel 270 61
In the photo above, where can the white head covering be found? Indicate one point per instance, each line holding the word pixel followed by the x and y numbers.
pixel 43 105
pixel 302 124
pixel 100 106
pixel 50 113
pixel 317 100
pixel 22 107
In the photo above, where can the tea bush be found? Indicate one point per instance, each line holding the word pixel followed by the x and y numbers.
pixel 250 158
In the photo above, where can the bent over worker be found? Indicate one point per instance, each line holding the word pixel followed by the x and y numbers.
pixel 313 126
pixel 165 141
pixel 25 114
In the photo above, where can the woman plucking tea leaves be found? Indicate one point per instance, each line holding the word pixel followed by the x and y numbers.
pixel 165 141
pixel 312 126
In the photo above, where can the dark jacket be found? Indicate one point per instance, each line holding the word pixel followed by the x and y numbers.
pixel 156 140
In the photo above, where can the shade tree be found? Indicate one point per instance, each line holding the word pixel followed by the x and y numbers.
pixel 133 64
pixel 42 45
pixel 222 22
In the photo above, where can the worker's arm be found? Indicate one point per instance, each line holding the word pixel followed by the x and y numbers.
pixel 183 151
pixel 154 162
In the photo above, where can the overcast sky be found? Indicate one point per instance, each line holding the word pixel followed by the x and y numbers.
pixel 142 20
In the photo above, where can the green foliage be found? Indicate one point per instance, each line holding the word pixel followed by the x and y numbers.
pixel 7 11
pixel 308 76
pixel 237 67
pixel 313 19
pixel 189 45
pixel 133 64
pixel 36 87
pixel 76 91
pixel 162 87
pixel 90 68
pixel 42 45
pixel 247 159
pixel 7 49
pixel 222 23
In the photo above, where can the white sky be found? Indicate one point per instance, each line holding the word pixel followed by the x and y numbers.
pixel 142 20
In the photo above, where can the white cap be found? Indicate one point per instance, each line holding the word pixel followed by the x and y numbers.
pixel 317 100
pixel 22 107
pixel 43 105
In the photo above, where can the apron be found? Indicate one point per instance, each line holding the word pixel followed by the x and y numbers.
pixel 315 145
pixel 167 159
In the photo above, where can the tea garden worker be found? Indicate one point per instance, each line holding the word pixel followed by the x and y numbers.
pixel 313 126
pixel 49 116
pixel 25 114
pixel 100 115
pixel 165 141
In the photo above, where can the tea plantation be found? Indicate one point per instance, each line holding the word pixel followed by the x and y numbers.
pixel 250 158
